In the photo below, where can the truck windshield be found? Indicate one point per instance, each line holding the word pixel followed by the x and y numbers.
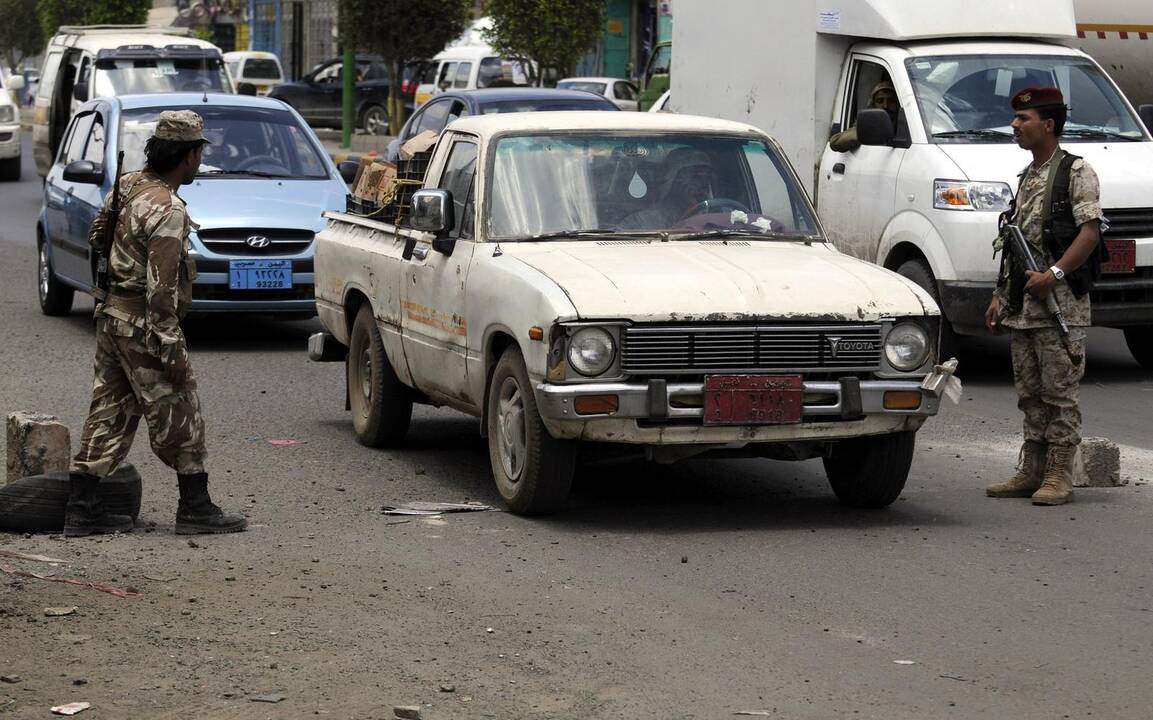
pixel 674 184
pixel 154 75
pixel 965 98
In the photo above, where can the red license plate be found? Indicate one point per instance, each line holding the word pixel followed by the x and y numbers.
pixel 1122 257
pixel 753 399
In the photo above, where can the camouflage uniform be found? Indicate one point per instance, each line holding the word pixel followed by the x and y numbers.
pixel 1047 380
pixel 139 345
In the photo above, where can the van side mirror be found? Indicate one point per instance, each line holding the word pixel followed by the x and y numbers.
pixel 85 172
pixel 16 82
pixel 874 127
pixel 80 92
pixel 1146 113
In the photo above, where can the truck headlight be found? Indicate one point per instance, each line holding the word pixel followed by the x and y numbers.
pixel 591 351
pixel 907 346
pixel 7 113
pixel 957 195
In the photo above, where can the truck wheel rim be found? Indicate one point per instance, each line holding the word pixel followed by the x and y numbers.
pixel 366 377
pixel 510 429
pixel 43 272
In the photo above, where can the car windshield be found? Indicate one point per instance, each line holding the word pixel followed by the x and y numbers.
pixel 531 105
pixel 587 86
pixel 244 142
pixel 129 77
pixel 677 185
pixel 965 98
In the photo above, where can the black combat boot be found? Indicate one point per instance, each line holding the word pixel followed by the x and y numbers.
pixel 196 512
pixel 85 514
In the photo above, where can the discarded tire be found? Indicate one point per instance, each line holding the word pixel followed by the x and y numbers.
pixel 36 503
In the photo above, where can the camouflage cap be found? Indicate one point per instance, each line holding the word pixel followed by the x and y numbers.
pixel 180 126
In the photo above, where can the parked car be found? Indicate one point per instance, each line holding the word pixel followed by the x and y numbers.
pixel 318 96
pixel 621 92
pixel 261 69
pixel 10 126
pixel 82 63
pixel 264 182
pixel 472 67
pixel 449 106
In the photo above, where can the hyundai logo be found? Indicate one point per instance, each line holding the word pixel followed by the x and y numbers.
pixel 257 241
pixel 839 345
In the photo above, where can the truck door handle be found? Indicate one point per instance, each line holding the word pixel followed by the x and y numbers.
pixel 839 168
pixel 420 252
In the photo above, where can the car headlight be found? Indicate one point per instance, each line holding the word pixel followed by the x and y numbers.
pixel 956 195
pixel 7 113
pixel 591 351
pixel 907 346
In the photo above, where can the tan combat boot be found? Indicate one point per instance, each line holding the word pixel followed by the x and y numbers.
pixel 1057 488
pixel 1030 468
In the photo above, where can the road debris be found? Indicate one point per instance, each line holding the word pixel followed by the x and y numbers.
pixel 286 442
pixel 34 558
pixel 407 712
pixel 73 638
pixel 758 713
pixel 904 662
pixel 71 708
pixel 447 687
pixel 421 507
pixel 118 592
pixel 269 698
pixel 157 578
pixel 10 679
pixel 60 611
pixel 958 678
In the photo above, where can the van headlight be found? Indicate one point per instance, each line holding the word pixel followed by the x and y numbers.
pixel 7 113
pixel 907 346
pixel 957 195
pixel 591 351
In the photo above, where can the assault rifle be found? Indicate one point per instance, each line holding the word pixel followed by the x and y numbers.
pixel 112 219
pixel 1017 244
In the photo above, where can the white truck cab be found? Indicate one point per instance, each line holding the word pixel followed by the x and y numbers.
pixel 923 198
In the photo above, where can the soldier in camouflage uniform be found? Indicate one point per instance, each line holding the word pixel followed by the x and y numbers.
pixel 1064 236
pixel 142 366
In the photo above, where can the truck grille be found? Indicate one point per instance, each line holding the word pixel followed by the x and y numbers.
pixel 744 348
pixel 233 241
pixel 1129 223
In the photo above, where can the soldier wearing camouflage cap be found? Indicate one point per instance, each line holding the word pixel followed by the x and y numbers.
pixel 142 366
pixel 1058 210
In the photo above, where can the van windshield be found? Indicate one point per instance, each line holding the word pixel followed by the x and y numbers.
pixel 674 184
pixel 965 98
pixel 153 75
pixel 261 69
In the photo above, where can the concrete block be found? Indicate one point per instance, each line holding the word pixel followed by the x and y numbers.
pixel 1097 463
pixel 37 444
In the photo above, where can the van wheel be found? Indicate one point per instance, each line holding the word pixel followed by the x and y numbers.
pixel 10 169
pixel 532 469
pixel 381 404
pixel 55 296
pixel 374 120
pixel 1139 338
pixel 870 472
pixel 919 272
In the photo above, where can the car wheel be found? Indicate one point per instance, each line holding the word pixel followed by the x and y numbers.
pixel 870 472
pixel 374 120
pixel 36 503
pixel 919 272
pixel 533 470
pixel 10 169
pixel 55 296
pixel 1139 338
pixel 381 404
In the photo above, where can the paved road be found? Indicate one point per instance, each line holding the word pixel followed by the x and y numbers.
pixel 691 591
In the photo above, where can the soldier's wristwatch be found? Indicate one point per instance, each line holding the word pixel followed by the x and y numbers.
pixel 1057 272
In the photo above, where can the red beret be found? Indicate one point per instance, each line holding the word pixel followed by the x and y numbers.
pixel 1032 97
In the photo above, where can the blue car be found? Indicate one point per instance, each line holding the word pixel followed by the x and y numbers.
pixel 264 183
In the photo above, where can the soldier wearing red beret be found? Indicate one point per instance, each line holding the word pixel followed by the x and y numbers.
pixel 1058 210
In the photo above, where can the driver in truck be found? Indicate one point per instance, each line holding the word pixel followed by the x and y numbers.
pixel 689 182
pixel 884 97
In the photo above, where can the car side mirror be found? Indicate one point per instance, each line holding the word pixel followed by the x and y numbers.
pixel 245 88
pixel 84 171
pixel 874 127
pixel 1146 113
pixel 348 170
pixel 432 213
pixel 16 82
pixel 80 92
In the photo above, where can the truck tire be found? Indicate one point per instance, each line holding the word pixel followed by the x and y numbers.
pixel 381 404
pixel 10 169
pixel 919 272
pixel 870 472
pixel 1139 338
pixel 55 296
pixel 36 503
pixel 533 470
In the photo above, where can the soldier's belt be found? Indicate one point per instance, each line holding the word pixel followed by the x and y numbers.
pixel 134 303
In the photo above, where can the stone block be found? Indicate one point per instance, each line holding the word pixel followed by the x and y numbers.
pixel 1097 463
pixel 37 444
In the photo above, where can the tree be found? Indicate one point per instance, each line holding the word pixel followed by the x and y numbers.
pixel 54 13
pixel 400 31
pixel 554 33
pixel 20 34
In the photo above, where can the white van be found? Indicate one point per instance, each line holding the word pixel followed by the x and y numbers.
pixel 468 67
pixel 261 69
pixel 922 197
pixel 81 63
pixel 10 85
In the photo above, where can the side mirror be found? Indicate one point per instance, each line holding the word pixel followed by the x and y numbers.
pixel 16 82
pixel 80 92
pixel 874 127
pixel 84 171
pixel 1146 113
pixel 348 170
pixel 432 211
pixel 245 88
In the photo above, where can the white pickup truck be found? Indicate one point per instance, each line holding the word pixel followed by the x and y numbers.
pixel 626 285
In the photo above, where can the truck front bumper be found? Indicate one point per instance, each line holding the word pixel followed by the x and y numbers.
pixel 9 141
pixel 1115 301
pixel 660 412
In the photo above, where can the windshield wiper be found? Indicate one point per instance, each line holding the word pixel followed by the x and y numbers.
pixel 974 133
pixel 562 234
pixel 1098 132
pixel 243 173
pixel 740 233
